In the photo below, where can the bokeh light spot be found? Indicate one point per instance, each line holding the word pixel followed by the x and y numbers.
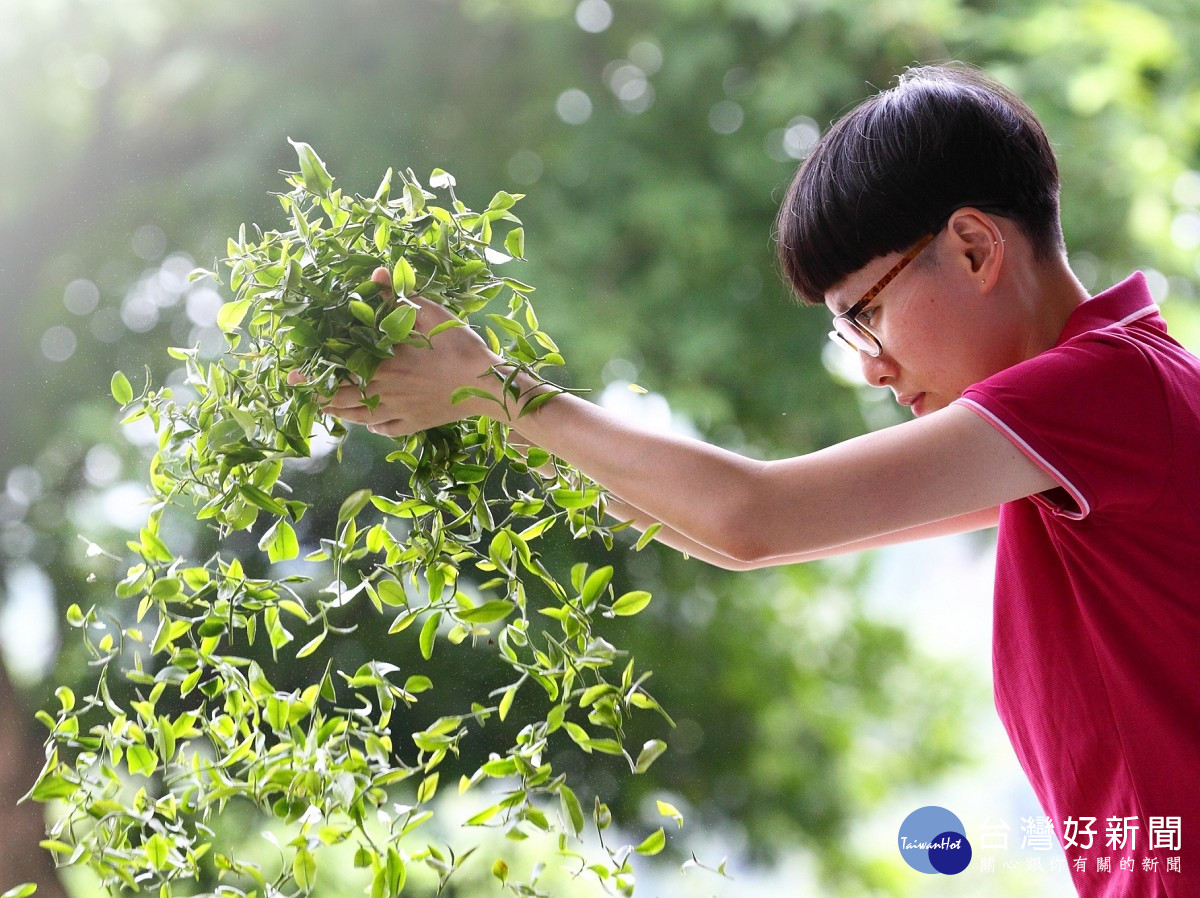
pixel 594 16
pixel 647 56
pixel 59 343
pixel 81 297
pixel 573 106
pixel 725 117
pixel 525 167
pixel 92 71
pixel 149 243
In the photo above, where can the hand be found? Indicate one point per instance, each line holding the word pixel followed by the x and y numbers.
pixel 414 385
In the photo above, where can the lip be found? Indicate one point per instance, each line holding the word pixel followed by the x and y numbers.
pixel 914 402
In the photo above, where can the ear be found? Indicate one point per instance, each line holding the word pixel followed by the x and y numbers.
pixel 979 245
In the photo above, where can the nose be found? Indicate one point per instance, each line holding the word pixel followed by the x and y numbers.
pixel 878 371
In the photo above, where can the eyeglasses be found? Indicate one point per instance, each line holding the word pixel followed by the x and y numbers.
pixel 850 333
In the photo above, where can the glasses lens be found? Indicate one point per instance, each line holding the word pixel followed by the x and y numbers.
pixel 854 338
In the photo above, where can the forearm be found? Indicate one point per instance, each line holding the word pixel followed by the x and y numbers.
pixel 709 503
pixel 624 512
pixel 696 490
pixel 627 513
pixel 641 521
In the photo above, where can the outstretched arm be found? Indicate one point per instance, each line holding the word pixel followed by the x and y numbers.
pixel 946 465
pixel 621 510
pixel 639 520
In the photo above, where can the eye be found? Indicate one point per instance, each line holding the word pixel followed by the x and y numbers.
pixel 866 315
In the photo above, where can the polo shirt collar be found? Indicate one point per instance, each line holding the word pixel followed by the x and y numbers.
pixel 1117 306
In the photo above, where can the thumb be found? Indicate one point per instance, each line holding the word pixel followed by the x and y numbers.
pixel 383 278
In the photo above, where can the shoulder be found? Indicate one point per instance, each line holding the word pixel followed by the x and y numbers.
pixel 1094 410
pixel 1106 365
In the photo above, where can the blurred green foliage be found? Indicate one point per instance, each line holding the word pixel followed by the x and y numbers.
pixel 653 151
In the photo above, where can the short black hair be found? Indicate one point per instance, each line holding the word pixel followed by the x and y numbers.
pixel 897 166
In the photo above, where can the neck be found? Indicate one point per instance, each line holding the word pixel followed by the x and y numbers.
pixel 1049 292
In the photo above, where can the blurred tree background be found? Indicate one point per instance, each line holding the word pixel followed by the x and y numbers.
pixel 653 139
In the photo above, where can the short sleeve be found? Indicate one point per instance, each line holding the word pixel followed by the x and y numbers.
pixel 1092 413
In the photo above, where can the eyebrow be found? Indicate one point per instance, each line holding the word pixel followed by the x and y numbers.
pixel 839 309
pixel 887 278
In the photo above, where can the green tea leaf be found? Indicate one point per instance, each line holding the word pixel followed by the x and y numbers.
pixel 398 324
pixel 392 593
pixel 312 645
pixel 261 499
pixel 565 498
pixel 417 683
pixel 312 169
pixel 121 389
pixel 595 585
pixel 304 869
pixel 157 850
pixel 404 279
pixel 503 200
pixel 231 314
pixel 653 843
pixel 428 788
pixel 362 312
pixel 631 603
pixel 50 788
pixel 353 504
pixel 428 632
pixel 647 536
pixel 669 810
pixel 464 393
pixel 66 697
pixel 506 701
pixel 403 621
pixel 142 761
pixel 500 870
pixel 515 243
pixel 487 613
pixel 572 809
pixel 649 753
pixel 445 326
pixel 280 542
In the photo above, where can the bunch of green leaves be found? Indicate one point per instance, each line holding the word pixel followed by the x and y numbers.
pixel 453 556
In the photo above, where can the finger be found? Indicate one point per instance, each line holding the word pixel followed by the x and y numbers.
pixel 342 399
pixel 429 314
pixel 360 415
pixel 393 427
pixel 345 405
pixel 383 278
pixel 346 396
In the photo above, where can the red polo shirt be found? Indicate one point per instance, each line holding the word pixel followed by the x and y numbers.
pixel 1096 646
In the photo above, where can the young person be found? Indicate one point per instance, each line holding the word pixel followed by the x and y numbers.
pixel 927 221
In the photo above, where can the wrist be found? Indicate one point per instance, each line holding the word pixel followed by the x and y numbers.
pixel 508 397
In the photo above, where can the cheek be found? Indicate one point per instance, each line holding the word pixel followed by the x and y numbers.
pixel 958 333
pixel 914 329
pixel 942 360
pixel 914 343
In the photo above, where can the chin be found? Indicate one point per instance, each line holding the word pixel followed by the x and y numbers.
pixel 926 405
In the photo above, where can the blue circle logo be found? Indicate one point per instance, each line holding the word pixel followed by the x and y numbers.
pixel 933 840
